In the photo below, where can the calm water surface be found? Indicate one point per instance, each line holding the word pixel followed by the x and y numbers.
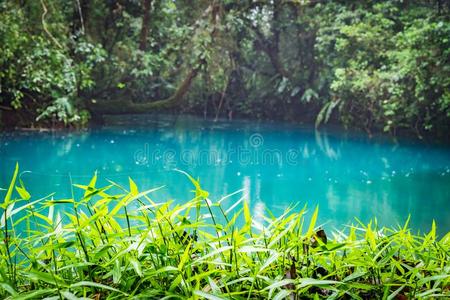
pixel 275 165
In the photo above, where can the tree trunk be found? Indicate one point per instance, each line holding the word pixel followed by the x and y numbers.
pixel 271 45
pixel 145 24
pixel 274 46
pixel 125 106
pixel 80 17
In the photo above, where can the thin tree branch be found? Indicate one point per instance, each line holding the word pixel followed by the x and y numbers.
pixel 44 25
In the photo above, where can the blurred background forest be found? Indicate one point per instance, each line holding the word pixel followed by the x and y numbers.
pixel 380 66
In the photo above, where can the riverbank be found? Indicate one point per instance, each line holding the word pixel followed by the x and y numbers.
pixel 149 120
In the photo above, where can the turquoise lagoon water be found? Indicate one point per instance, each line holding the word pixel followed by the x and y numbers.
pixel 275 166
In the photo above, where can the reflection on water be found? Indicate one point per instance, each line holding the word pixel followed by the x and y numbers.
pixel 275 165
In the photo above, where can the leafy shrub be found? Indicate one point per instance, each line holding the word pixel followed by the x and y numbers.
pixel 38 75
pixel 389 73
pixel 115 242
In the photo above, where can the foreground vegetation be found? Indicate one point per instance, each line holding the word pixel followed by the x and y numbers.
pixel 376 65
pixel 115 242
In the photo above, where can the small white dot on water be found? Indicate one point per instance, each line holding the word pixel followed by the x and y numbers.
pixel 111 141
pixel 238 173
pixel 309 179
pixel 78 145
pixel 369 182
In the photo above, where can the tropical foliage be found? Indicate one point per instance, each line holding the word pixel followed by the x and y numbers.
pixel 117 243
pixel 375 65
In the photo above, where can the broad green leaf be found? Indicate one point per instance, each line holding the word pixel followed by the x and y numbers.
pixel 45 277
pixel 95 284
pixel 69 296
pixel 38 294
pixel 312 223
pixel 279 284
pixel 395 293
pixel 8 288
pixel 208 296
pixel 432 278
pixel 133 187
pixel 272 258
pixel 199 192
pixel 7 199
pixel 370 236
pixel 283 294
pixel 185 256
pixel 11 212
pixel 136 265
pixel 247 216
pixel 23 193
pixel 304 282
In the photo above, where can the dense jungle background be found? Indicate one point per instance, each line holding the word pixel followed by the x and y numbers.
pixel 379 66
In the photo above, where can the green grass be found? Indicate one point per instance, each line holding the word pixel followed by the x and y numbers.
pixel 116 243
